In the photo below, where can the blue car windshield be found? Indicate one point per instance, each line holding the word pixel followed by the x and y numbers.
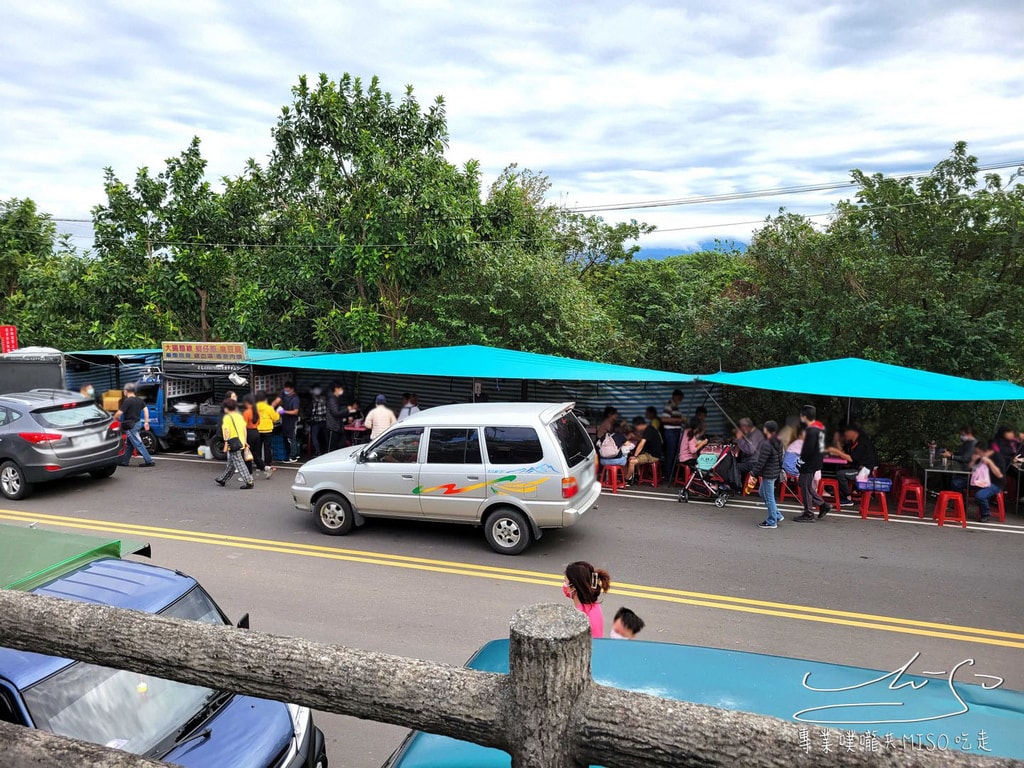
pixel 120 709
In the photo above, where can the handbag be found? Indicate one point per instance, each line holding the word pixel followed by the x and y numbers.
pixel 980 477
pixel 234 443
pixel 247 454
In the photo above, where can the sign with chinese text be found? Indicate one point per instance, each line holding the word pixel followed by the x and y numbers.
pixel 8 338
pixel 205 351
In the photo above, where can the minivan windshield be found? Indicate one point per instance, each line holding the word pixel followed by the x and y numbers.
pixel 124 710
pixel 573 439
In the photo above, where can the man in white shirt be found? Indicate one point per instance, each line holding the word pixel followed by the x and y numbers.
pixel 380 418
pixel 410 405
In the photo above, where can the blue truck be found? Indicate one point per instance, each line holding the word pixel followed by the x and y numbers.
pixel 186 725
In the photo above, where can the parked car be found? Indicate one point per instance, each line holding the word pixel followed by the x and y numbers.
pixel 186 725
pixel 47 434
pixel 514 468
pixel 875 710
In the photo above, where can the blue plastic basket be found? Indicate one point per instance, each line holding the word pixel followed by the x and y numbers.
pixel 881 484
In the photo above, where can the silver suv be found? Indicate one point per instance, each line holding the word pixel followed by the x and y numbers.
pixel 514 468
pixel 46 434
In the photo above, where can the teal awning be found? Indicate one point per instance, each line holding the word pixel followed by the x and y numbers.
pixel 853 377
pixel 474 362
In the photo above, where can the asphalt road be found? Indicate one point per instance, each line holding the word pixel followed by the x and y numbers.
pixel 843 589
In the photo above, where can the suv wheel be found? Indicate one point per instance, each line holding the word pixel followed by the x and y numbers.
pixel 12 481
pixel 104 472
pixel 507 531
pixel 333 514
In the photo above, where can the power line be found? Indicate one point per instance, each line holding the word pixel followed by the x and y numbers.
pixel 770 192
pixel 703 199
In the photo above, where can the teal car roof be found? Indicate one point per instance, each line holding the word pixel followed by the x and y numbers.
pixel 812 692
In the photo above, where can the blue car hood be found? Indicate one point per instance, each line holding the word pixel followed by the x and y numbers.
pixel 245 733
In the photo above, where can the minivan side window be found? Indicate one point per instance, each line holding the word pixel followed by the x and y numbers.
pixel 513 445
pixel 454 446
pixel 397 447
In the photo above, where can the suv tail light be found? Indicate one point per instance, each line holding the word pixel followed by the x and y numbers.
pixel 40 437
pixel 115 426
pixel 569 487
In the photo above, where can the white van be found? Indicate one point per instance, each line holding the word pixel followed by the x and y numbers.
pixel 514 468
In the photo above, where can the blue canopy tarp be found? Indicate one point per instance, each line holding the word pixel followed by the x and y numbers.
pixel 853 377
pixel 474 362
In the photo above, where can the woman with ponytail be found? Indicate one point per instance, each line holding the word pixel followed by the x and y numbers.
pixel 583 585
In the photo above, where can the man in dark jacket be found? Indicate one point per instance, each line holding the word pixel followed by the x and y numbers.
pixel 859 452
pixel 810 465
pixel 335 416
pixel 768 467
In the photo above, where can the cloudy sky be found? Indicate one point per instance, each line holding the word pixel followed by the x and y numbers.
pixel 617 102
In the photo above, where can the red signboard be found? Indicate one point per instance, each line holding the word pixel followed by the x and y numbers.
pixel 8 338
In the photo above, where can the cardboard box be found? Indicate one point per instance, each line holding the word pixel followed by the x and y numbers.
pixel 111 400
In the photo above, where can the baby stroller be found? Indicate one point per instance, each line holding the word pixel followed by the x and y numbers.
pixel 705 481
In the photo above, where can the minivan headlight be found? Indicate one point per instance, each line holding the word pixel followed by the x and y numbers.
pixel 300 479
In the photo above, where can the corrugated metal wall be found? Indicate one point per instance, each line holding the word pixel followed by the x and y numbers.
pixel 630 398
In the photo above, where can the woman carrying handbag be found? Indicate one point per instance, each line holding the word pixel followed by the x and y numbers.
pixel 236 446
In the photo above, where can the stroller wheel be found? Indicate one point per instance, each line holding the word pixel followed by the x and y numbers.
pixel 721 499
pixel 684 496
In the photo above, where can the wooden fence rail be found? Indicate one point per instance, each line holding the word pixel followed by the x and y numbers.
pixel 547 712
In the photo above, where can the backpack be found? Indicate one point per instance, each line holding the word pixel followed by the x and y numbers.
pixel 606 447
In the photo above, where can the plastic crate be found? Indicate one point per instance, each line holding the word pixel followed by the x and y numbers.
pixel 881 484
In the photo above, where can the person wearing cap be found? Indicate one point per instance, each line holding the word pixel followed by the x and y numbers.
pixel 380 418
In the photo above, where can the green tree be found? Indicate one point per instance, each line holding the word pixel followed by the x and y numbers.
pixel 364 209
pixel 25 234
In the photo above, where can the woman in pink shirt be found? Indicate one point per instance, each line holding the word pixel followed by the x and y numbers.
pixel 692 443
pixel 583 585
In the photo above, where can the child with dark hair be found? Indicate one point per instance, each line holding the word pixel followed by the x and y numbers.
pixel 583 585
pixel 626 625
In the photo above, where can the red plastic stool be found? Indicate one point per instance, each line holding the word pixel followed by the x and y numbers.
pixel 612 478
pixel 789 488
pixel 647 473
pixel 911 497
pixel 958 514
pixel 867 508
pixel 831 485
pixel 1000 507
pixel 899 477
pixel 685 470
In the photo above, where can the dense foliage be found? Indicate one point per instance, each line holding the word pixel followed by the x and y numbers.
pixel 358 233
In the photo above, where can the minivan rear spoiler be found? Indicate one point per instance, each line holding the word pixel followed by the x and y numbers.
pixel 548 415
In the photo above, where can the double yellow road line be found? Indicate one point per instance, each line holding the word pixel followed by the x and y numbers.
pixel 663 594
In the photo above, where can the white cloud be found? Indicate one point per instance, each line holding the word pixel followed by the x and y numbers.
pixel 616 102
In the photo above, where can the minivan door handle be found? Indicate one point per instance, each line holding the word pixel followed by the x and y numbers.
pixel 407 477
pixel 472 477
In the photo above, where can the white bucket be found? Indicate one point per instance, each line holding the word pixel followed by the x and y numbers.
pixel 205 452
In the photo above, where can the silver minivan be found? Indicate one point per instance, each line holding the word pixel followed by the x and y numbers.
pixel 514 468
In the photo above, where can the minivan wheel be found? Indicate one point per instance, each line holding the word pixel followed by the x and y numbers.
pixel 103 472
pixel 333 514
pixel 507 531
pixel 12 481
